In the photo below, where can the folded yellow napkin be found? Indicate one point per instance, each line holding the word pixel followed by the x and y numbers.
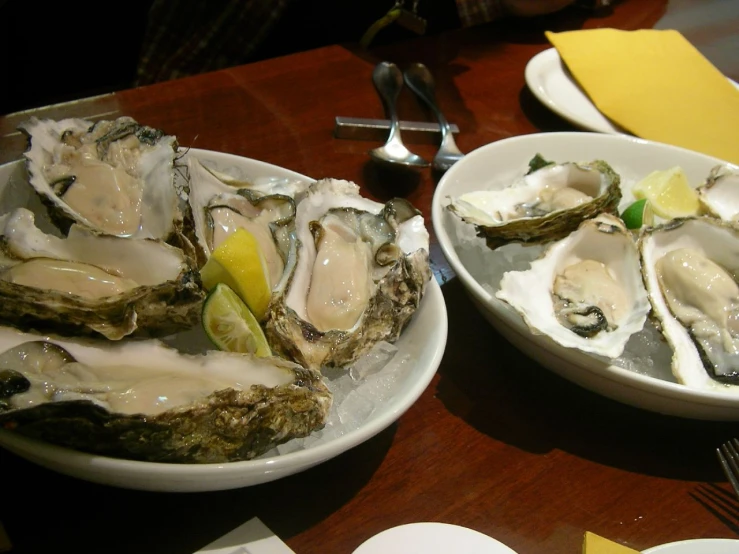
pixel 656 85
pixel 595 544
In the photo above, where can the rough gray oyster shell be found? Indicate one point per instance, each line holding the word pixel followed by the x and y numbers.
pixel 585 291
pixel 546 204
pixel 719 194
pixel 106 398
pixel 690 267
pixel 155 289
pixel 115 177
pixel 372 288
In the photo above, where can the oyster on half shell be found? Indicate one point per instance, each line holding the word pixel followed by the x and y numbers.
pixel 719 195
pixel 356 272
pixel 115 177
pixel 547 203
pixel 585 291
pixel 690 271
pixel 142 400
pixel 88 283
pixel 221 204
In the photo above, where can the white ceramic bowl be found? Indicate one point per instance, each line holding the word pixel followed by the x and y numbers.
pixel 419 354
pixel 649 385
pixel 697 546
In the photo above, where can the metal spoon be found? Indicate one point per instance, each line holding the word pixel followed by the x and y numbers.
pixel 419 80
pixel 388 81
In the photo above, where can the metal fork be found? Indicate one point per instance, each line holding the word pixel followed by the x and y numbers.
pixel 728 456
pixel 419 80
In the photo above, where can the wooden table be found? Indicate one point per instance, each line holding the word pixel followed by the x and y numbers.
pixel 496 443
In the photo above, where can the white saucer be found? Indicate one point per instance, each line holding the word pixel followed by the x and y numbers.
pixel 431 538
pixel 697 546
pixel 551 82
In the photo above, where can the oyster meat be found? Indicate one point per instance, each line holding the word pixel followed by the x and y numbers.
pixel 356 272
pixel 88 283
pixel 142 400
pixel 115 177
pixel 585 291
pixel 690 271
pixel 547 203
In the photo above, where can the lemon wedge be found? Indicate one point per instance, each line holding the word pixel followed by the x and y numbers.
pixel 668 193
pixel 239 263
pixel 231 326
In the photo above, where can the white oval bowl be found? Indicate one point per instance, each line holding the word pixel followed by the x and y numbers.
pixel 653 388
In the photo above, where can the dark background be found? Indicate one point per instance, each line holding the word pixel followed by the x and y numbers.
pixel 60 51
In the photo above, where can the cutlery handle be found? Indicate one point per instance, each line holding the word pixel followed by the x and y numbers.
pixel 388 81
pixel 419 80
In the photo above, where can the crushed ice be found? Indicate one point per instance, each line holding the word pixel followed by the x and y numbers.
pixel 359 394
pixel 646 353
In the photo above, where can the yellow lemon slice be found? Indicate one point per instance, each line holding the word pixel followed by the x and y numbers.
pixel 669 193
pixel 239 263
pixel 231 326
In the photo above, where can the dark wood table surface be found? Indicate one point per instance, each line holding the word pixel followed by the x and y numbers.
pixel 496 443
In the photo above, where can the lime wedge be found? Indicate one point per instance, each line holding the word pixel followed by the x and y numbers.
pixel 231 326
pixel 638 214
pixel 239 263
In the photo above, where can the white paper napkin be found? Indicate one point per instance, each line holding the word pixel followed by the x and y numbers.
pixel 253 537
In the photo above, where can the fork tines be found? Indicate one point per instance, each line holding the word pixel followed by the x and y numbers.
pixel 728 456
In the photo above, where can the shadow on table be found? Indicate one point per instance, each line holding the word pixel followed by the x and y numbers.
pixel 540 116
pixel 719 502
pixel 386 181
pixel 495 388
pixel 81 517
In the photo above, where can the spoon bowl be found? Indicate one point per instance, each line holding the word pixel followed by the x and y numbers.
pixel 397 154
pixel 388 81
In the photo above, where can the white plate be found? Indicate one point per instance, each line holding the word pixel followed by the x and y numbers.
pixel 420 350
pixel 431 538
pixel 479 268
pixel 551 82
pixel 697 546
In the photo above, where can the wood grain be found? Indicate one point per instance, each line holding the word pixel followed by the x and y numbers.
pixel 496 443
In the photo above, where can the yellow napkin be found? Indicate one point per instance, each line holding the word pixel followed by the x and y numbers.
pixel 656 85
pixel 595 544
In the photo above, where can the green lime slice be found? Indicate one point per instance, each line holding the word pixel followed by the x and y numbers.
pixel 230 324
pixel 638 214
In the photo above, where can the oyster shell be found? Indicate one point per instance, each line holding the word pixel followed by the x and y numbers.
pixel 719 195
pixel 220 204
pixel 115 177
pixel 547 203
pixel 690 271
pixel 88 283
pixel 356 272
pixel 144 401
pixel 585 291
